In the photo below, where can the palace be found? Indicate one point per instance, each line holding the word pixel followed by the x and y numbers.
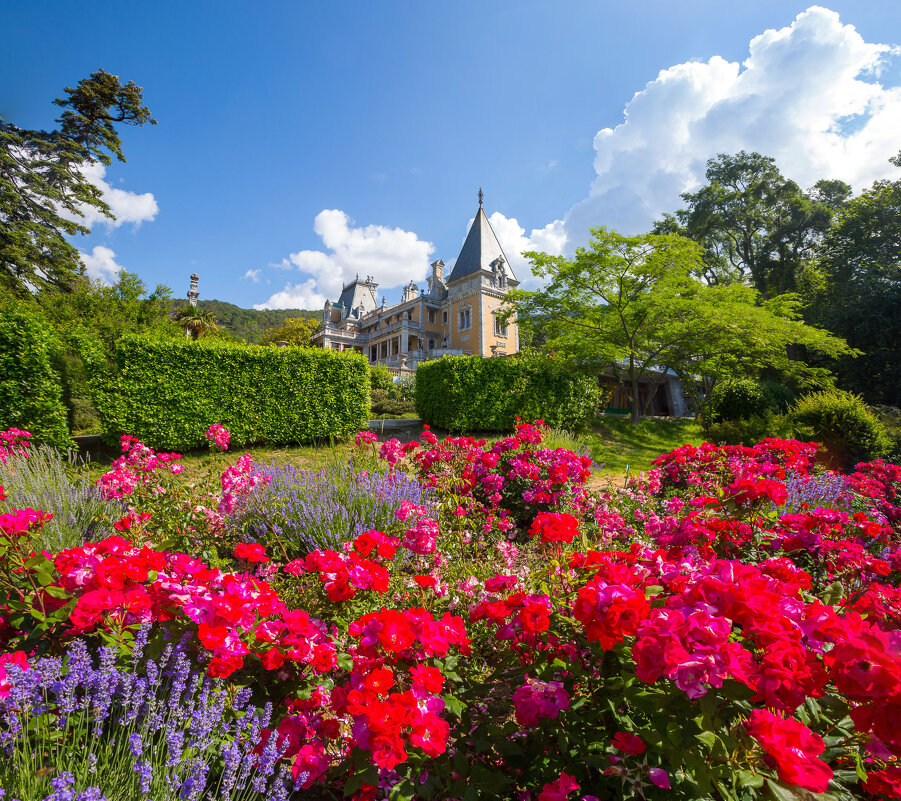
pixel 454 315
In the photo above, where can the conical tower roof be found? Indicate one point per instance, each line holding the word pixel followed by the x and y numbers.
pixel 480 249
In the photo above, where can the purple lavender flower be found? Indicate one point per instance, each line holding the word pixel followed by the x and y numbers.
pixel 145 774
pixel 321 509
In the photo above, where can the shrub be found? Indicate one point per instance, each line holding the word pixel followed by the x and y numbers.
pixel 168 393
pixel 749 430
pixel 298 511
pixel 42 479
pixel 380 378
pixel 841 421
pixel 469 393
pixel 741 399
pixel 30 387
pixel 383 403
pixel 890 417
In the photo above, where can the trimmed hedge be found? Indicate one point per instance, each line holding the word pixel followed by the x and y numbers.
pixel 469 393
pixel 168 393
pixel 30 388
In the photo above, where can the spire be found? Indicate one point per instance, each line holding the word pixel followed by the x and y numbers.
pixel 480 250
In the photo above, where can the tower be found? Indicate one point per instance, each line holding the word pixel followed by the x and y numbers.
pixel 477 288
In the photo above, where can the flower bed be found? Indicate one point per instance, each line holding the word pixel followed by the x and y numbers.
pixel 727 626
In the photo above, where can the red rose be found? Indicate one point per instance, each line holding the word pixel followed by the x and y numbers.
pixel 794 748
pixel 628 743
pixel 554 527
pixel 253 552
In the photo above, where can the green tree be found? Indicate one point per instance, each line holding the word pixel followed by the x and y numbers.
pixel 754 224
pixel 43 190
pixel 857 291
pixel 296 331
pixel 109 312
pixel 196 321
pixel 634 307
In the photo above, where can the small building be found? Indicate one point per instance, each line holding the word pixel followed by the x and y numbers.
pixel 453 315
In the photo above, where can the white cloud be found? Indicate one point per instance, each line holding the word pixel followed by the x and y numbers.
pixel 809 95
pixel 512 236
pixel 252 275
pixel 101 264
pixel 391 255
pixel 129 207
pixel 295 296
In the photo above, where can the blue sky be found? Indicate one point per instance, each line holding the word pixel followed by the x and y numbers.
pixel 300 143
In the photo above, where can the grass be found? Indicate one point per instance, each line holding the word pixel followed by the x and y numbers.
pixel 623 447
pixel 613 442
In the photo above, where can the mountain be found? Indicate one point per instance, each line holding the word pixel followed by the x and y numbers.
pixel 247 324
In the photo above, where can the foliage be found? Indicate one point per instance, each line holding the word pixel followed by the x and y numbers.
pixel 296 331
pixel 247 324
pixel 380 377
pixel 722 628
pixel 43 190
pixel 298 511
pixel 196 322
pixel 632 307
pixel 856 291
pixel 42 479
pixel 153 729
pixel 169 393
pixel 743 398
pixel 107 313
pixel 753 223
pixel 469 393
pixel 382 402
pixel 88 319
pixel 890 417
pixel 841 422
pixel 749 430
pixel 30 388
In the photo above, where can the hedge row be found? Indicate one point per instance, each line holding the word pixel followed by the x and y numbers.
pixel 469 393
pixel 168 393
pixel 30 386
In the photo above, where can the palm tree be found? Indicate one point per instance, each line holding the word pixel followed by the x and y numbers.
pixel 196 321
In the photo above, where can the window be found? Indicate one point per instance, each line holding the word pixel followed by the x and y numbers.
pixel 500 330
pixel 465 319
pixel 431 315
pixel 410 314
pixel 444 317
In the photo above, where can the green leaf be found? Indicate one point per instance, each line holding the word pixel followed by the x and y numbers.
pixel 454 705
pixel 402 792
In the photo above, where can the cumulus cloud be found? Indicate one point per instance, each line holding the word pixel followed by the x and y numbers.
pixel 252 275
pixel 129 207
pixel 295 296
pixel 391 255
pixel 808 94
pixel 101 264
pixel 512 236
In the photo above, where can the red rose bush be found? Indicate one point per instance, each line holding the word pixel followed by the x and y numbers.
pixel 727 626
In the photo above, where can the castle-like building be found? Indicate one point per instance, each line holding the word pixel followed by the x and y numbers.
pixel 454 315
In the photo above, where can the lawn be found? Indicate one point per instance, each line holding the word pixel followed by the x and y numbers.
pixel 616 445
pixel 621 447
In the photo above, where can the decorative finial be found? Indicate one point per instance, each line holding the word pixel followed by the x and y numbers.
pixel 193 294
pixel 480 197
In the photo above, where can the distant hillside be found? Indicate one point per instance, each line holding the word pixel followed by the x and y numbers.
pixel 247 324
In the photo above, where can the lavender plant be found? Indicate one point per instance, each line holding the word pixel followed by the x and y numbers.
pixel 45 480
pixel 301 510
pixel 72 730
pixel 828 490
